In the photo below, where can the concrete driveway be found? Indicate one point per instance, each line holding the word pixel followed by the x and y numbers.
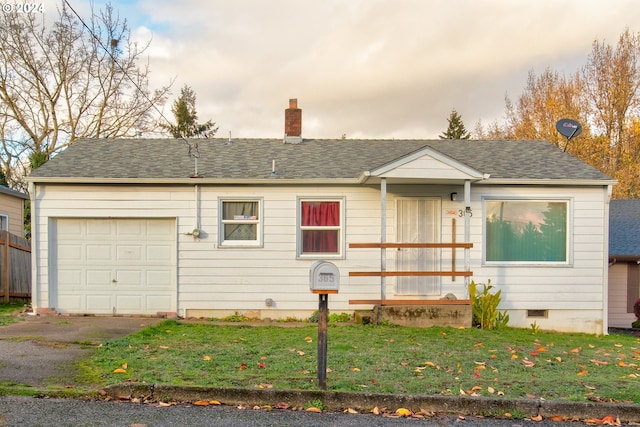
pixel 43 351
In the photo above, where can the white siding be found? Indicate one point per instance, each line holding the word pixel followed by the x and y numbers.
pixel 618 316
pixel 212 280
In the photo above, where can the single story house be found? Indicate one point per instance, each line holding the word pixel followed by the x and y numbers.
pixel 624 260
pixel 213 227
pixel 12 210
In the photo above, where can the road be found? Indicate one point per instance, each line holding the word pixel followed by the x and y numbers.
pixel 21 411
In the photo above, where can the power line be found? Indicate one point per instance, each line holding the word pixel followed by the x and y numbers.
pixel 193 148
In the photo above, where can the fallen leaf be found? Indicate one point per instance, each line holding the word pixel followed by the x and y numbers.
pixel 207 357
pixel 201 403
pixel 356 369
pixel 165 404
pixel 308 339
pixel 514 356
pixel 215 402
pixel 164 347
pixel 119 371
pixel 301 353
pixel 262 365
pixel 599 362
pixel 404 412
pixel 582 373
pixel 622 363
pixel 375 411
pixel 350 411
pixel 313 409
pixel 242 367
pixel 528 363
pixel 536 418
pixel 576 350
pixel 491 390
pixel 282 405
pixel 530 396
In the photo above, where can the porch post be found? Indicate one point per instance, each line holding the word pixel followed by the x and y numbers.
pixel 467 229
pixel 383 236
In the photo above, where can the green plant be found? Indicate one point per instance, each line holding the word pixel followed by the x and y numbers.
pixel 535 328
pixel 315 404
pixel 331 318
pixel 485 307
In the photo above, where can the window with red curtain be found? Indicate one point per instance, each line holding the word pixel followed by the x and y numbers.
pixel 320 226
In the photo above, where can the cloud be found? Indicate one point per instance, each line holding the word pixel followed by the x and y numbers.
pixel 366 68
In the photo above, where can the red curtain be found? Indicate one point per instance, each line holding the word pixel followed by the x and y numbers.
pixel 320 214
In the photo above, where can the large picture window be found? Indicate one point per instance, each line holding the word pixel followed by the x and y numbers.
pixel 240 223
pixel 320 231
pixel 530 231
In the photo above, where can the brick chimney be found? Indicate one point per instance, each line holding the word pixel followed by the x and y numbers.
pixel 293 123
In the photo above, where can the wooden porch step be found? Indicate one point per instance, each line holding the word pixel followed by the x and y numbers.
pixel 411 301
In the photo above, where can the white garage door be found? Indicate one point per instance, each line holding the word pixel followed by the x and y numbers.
pixel 113 266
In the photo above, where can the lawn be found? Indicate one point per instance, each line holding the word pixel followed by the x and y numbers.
pixel 509 363
pixel 8 311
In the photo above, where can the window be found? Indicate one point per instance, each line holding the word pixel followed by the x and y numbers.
pixel 527 231
pixel 240 223
pixel 320 230
pixel 4 222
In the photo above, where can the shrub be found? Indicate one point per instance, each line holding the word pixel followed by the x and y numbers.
pixel 485 307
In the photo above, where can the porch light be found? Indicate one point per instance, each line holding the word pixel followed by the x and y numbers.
pixel 454 197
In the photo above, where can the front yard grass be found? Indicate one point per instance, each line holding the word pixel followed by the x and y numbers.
pixel 8 312
pixel 509 363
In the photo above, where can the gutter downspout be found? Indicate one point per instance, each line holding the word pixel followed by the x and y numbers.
pixel 35 277
pixel 605 268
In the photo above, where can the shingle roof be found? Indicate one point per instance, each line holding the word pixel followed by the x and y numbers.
pixel 624 228
pixel 311 159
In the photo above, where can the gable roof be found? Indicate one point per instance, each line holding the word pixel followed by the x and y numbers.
pixel 318 160
pixel 14 193
pixel 624 229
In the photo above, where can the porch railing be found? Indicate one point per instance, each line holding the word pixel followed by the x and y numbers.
pixel 451 273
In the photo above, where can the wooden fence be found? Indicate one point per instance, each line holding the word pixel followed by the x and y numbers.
pixel 15 267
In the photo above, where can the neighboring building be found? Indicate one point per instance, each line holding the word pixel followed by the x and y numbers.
pixel 211 227
pixel 12 210
pixel 624 257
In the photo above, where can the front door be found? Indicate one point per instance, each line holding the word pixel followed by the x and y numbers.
pixel 418 221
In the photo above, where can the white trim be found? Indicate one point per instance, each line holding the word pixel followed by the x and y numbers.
pixel 436 155
pixel 341 228
pixel 259 242
pixel 568 262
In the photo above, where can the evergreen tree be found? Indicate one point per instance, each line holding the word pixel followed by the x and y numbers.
pixel 456 129
pixel 184 111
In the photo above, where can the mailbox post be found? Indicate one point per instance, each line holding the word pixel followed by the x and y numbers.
pixel 324 279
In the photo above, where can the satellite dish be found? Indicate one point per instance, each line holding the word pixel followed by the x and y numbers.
pixel 568 128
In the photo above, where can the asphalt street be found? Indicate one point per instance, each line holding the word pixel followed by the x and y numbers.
pixel 20 411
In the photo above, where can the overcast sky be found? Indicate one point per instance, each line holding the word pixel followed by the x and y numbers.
pixel 364 68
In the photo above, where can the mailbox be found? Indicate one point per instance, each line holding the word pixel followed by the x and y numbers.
pixel 324 278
